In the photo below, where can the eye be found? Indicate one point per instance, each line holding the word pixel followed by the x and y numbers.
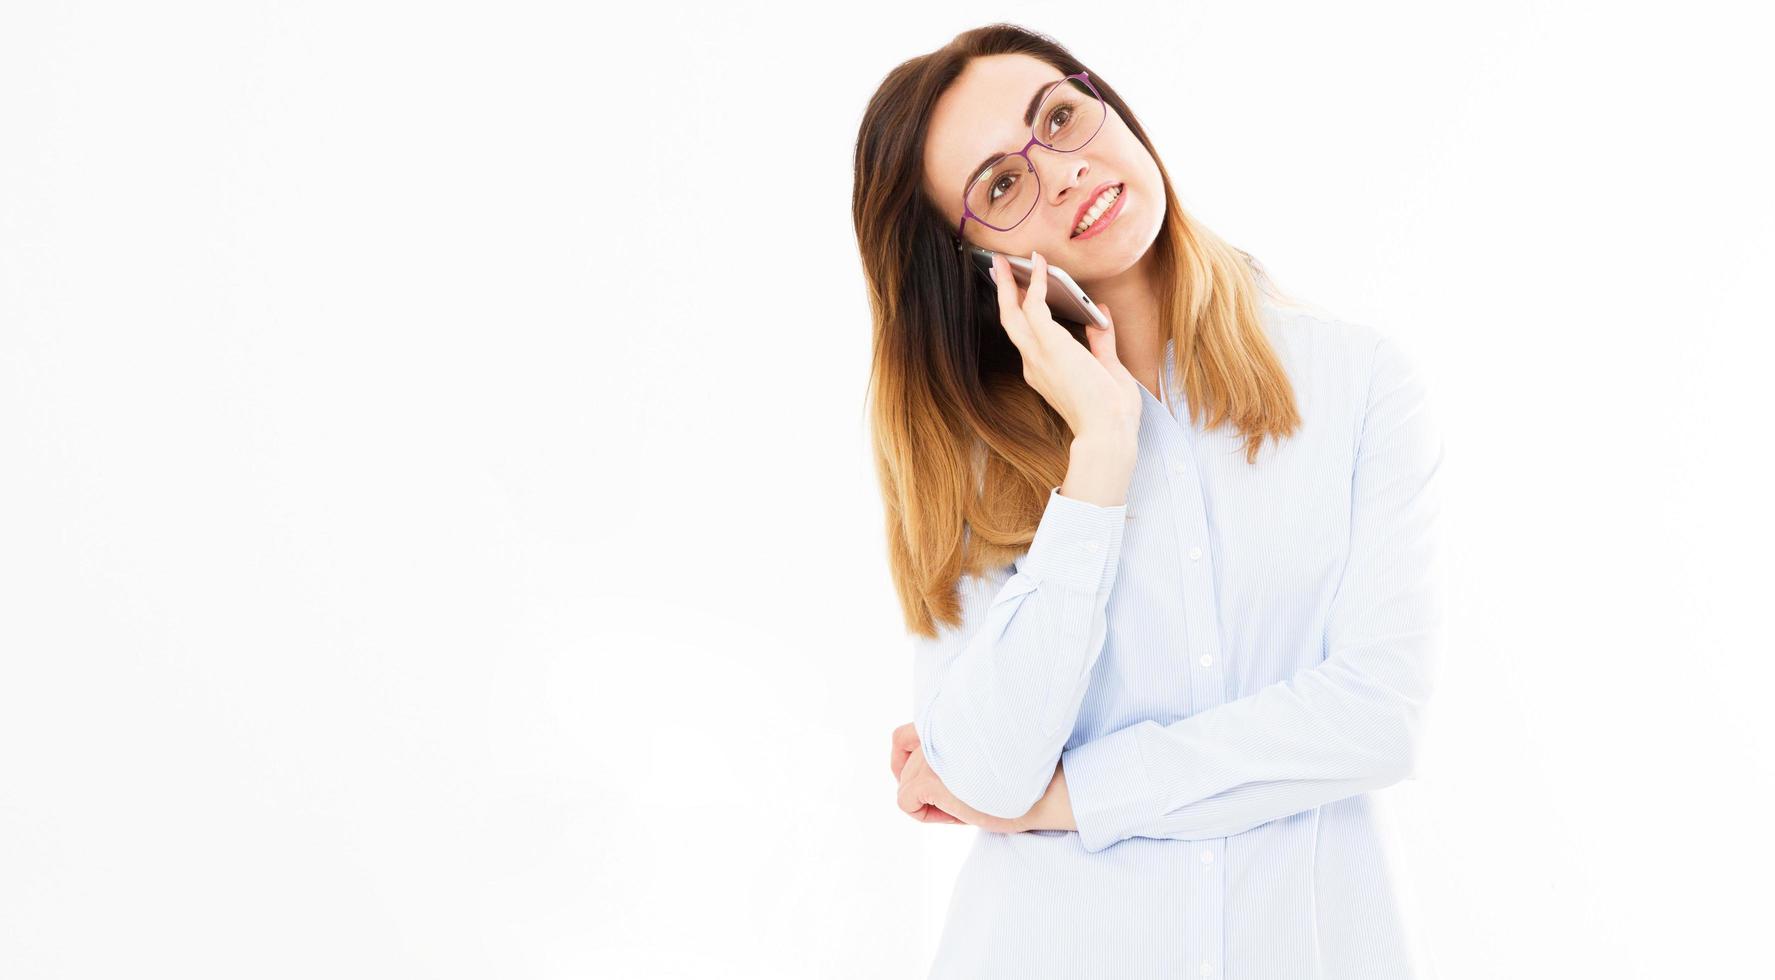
pixel 1059 118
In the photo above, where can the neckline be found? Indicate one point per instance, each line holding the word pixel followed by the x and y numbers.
pixel 1147 394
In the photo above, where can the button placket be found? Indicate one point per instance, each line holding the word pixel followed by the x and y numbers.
pixel 1188 515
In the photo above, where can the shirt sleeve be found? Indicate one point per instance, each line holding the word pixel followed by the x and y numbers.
pixel 1349 724
pixel 997 696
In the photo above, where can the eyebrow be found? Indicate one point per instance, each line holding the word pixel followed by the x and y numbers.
pixel 1035 102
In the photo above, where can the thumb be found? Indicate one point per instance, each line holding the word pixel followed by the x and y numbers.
pixel 1103 341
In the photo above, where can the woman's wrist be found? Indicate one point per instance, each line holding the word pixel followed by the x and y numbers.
pixel 1054 810
pixel 1099 470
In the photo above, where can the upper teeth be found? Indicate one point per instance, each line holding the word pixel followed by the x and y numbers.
pixel 1104 200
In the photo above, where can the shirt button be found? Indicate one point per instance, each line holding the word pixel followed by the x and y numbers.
pixel 1195 554
pixel 1207 968
pixel 1092 546
pixel 1178 468
pixel 1207 659
pixel 1207 857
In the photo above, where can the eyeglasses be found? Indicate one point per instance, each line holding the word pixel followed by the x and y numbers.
pixel 1071 113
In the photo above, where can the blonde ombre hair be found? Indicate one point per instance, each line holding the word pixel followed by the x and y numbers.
pixel 965 450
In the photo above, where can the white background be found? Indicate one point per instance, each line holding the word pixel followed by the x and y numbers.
pixel 437 530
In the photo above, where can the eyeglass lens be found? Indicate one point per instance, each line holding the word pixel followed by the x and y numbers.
pixel 1005 193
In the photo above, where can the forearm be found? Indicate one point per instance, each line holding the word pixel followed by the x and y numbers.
pixel 1054 810
pixel 999 696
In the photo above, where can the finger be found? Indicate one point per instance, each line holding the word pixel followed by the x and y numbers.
pixel 904 741
pixel 909 769
pixel 1010 307
pixel 1035 298
pixel 1103 340
pixel 907 799
pixel 1108 317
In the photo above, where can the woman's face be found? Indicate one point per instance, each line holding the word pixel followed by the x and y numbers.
pixel 982 115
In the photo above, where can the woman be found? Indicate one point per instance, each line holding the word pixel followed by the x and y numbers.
pixel 1174 586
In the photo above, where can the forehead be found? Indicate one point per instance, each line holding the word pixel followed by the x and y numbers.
pixel 980 113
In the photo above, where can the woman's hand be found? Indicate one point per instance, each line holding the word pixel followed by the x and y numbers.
pixel 923 796
pixel 1090 389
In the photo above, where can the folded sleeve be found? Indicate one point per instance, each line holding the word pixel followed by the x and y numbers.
pixel 996 697
pixel 1352 722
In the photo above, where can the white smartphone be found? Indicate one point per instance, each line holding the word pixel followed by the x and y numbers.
pixel 1067 303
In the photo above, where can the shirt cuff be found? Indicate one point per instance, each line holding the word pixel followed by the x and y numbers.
pixel 1076 543
pixel 1106 781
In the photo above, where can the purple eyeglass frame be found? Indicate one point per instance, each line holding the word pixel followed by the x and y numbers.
pixel 967 212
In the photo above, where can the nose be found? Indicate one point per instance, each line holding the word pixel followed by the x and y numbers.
pixel 1066 171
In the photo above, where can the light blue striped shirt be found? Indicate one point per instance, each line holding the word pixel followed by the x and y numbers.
pixel 1225 665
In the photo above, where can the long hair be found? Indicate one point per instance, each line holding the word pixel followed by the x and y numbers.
pixel 965 450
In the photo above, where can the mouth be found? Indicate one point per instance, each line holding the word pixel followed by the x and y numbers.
pixel 1095 213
